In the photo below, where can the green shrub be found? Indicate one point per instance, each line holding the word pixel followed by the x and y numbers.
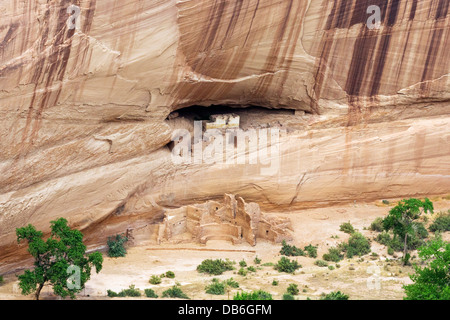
pixel 170 274
pixel 242 263
pixel 385 201
pixel 320 263
pixel 357 245
pixel 377 225
pixel 257 260
pixel 311 250
pixel 347 228
pixel 288 250
pixel 175 292
pixel 441 223
pixel 288 296
pixel 216 287
pixel 268 264
pixel 254 295
pixel 286 265
pixel 242 272
pixel 331 267
pixel 155 279
pixel 275 282
pixel 232 283
pixel 1 280
pixel 112 294
pixel 334 296
pixel 390 251
pixel 116 246
pixel 251 269
pixel 293 289
pixel 130 292
pixel 334 254
pixel 215 267
pixel 149 293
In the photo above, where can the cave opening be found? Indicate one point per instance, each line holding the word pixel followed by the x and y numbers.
pixel 249 116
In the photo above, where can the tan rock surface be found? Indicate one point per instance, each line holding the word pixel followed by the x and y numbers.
pixel 83 129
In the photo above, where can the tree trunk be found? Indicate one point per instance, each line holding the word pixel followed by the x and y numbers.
pixel 38 291
pixel 405 248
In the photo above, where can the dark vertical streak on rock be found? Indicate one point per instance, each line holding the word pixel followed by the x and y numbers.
pixel 432 55
pixel 380 61
pixel 393 12
pixel 48 69
pixel 442 9
pixel 362 54
pixel 412 14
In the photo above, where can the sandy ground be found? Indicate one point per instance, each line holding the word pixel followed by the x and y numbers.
pixel 367 278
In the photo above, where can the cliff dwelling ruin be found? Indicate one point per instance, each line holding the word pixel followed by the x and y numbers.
pixel 234 220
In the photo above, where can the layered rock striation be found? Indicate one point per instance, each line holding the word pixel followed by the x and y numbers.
pixel 83 110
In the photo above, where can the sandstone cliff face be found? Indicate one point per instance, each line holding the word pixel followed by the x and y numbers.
pixel 83 111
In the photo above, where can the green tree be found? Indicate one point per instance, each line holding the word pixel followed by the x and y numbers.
pixel 60 260
pixel 431 282
pixel 116 246
pixel 400 220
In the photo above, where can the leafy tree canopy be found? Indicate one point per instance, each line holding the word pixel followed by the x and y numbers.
pixel 60 260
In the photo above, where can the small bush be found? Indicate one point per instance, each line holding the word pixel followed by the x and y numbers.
pixel 377 225
pixel 311 250
pixel 275 282
pixel 251 269
pixel 116 246
pixel 130 292
pixel 334 255
pixel 331 267
pixel 1 280
pixel 242 272
pixel 231 283
pixel 288 250
pixel 155 280
pixel 347 228
pixel 112 294
pixel 149 293
pixel 254 295
pixel 170 274
pixel 441 223
pixel 268 264
pixel 334 296
pixel 175 292
pixel 320 263
pixel 215 267
pixel 390 251
pixel 293 289
pixel 257 260
pixel 286 265
pixel 288 296
pixel 216 287
pixel 242 263
pixel 357 245
pixel 385 201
